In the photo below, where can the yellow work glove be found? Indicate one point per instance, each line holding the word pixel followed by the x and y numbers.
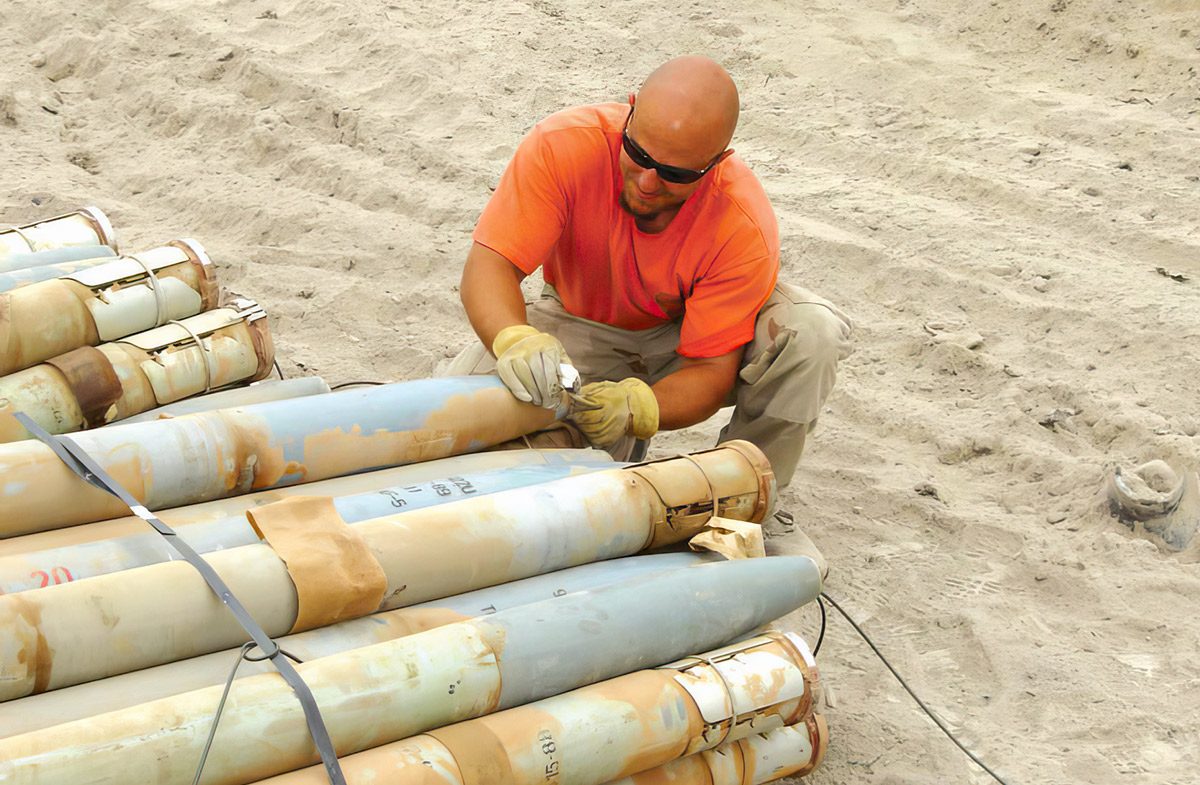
pixel 606 411
pixel 527 361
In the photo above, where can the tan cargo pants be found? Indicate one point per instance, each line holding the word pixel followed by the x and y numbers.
pixel 788 369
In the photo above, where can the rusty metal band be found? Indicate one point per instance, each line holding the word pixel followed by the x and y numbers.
pixel 77 460
pixel 712 489
pixel 804 659
pixel 700 659
pixel 205 352
pixel 104 228
pixel 818 735
pixel 91 379
pixel 733 709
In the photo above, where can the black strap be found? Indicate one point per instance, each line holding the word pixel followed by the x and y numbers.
pixel 78 461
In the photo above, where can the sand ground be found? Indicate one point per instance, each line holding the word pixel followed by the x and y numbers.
pixel 987 187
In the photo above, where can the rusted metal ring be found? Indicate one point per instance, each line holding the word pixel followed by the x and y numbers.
pixel 729 711
pixel 91 378
pixel 103 226
pixel 712 489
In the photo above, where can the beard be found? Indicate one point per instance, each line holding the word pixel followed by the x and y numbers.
pixel 636 213
pixel 639 209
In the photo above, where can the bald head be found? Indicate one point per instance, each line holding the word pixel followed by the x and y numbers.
pixel 684 117
pixel 690 106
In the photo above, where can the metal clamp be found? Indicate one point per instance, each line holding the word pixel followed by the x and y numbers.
pixel 205 352
pixel 717 702
pixel 19 231
pixel 712 489
pixel 160 299
pixel 85 466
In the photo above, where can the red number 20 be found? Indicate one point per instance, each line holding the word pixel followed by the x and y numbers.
pixel 58 574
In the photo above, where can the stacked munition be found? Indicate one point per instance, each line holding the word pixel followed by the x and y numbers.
pixel 389 691
pixel 167 614
pixel 461 615
pixel 87 339
pixel 648 720
pixel 54 263
pixel 87 228
pixel 793 750
pixel 65 555
pixel 229 452
pixel 84 700
pixel 103 303
pixel 91 386
pixel 259 392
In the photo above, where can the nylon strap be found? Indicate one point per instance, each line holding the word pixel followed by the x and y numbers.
pixel 78 461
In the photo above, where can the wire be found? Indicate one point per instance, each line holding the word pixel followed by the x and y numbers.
pixel 821 634
pixel 243 656
pixel 937 721
pixel 278 370
pixel 212 732
pixel 351 384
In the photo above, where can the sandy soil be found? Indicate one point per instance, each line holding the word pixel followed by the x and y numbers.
pixel 987 187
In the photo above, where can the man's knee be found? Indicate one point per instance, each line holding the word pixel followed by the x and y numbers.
pixel 791 366
pixel 820 336
pixel 802 334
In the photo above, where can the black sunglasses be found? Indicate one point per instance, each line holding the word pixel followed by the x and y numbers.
pixel 666 172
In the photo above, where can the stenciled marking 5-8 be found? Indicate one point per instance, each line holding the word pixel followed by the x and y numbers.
pixel 550 750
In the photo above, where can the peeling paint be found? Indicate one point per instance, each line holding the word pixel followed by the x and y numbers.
pixel 197 457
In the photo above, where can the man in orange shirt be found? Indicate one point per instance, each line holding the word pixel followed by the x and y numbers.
pixel 660 254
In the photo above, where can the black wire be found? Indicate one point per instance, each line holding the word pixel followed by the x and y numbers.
pixel 278 370
pixel 908 689
pixel 821 634
pixel 351 384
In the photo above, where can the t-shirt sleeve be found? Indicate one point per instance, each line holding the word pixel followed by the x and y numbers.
pixel 720 313
pixel 527 212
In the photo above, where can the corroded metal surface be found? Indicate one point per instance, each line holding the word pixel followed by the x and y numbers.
pixel 84 700
pixel 736 471
pixel 391 690
pixel 90 386
pixel 104 303
pixel 25 565
pixel 168 613
pixel 217 510
pixel 592 735
pixel 27 269
pixel 229 452
pixel 794 750
pixel 85 376
pixel 89 226
pixel 259 392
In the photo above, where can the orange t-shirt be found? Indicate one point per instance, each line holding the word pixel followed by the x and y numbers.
pixel 557 206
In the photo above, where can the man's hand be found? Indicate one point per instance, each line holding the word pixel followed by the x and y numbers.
pixel 606 411
pixel 527 361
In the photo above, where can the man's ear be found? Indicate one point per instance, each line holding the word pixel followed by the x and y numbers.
pixel 632 98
